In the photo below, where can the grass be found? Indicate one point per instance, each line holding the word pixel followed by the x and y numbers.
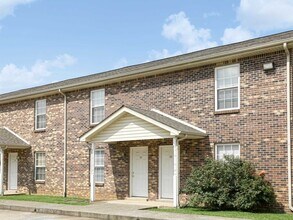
pixel 48 199
pixel 231 214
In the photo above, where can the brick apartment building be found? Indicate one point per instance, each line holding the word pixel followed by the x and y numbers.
pixel 138 131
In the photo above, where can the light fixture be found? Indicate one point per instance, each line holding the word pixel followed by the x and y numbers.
pixel 268 66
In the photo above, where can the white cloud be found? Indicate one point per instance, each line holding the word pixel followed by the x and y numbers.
pixel 7 7
pixel 232 35
pixel 121 63
pixel 179 29
pixel 257 17
pixel 211 14
pixel 265 15
pixel 13 77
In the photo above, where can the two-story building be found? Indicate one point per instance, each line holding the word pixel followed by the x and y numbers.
pixel 138 131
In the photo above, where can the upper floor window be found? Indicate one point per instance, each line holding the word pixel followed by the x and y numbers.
pixel 227 80
pixel 97 106
pixel 99 165
pixel 40 166
pixel 223 150
pixel 40 114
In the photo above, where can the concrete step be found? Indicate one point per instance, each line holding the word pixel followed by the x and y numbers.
pixel 12 193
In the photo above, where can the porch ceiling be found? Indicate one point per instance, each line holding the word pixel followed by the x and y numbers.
pixel 9 139
pixel 129 123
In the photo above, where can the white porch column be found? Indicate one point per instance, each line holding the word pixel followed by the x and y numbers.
pixel 176 176
pixel 92 173
pixel 1 170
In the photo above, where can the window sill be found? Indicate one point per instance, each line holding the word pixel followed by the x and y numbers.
pixel 222 112
pixel 40 130
pixel 40 181
pixel 99 184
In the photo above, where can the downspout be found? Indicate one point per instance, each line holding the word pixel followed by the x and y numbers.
pixel 183 138
pixel 65 145
pixel 289 126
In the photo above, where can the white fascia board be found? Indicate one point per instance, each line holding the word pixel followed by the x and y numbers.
pixel 101 125
pixel 119 113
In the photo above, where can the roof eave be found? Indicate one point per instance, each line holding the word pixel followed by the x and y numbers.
pixel 163 68
pixel 13 146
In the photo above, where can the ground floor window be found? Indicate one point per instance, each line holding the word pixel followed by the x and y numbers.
pixel 99 165
pixel 40 166
pixel 227 149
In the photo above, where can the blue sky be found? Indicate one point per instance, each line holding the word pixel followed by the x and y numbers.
pixel 44 41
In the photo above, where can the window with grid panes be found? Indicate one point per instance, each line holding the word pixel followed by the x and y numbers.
pixel 40 166
pixel 227 80
pixel 99 165
pixel 97 106
pixel 223 150
pixel 40 114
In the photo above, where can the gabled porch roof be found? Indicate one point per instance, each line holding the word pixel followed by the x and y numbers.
pixel 131 123
pixel 10 139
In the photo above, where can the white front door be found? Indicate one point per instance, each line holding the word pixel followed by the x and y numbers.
pixel 166 172
pixel 139 171
pixel 12 171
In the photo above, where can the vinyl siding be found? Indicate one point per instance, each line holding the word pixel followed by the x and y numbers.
pixel 129 127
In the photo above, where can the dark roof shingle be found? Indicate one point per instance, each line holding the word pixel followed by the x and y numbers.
pixel 10 139
pixel 125 71
pixel 175 124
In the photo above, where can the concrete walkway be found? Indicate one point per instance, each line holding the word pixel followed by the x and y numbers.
pixel 114 210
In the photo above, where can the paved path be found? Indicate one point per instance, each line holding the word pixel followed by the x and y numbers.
pixel 102 211
pixel 16 215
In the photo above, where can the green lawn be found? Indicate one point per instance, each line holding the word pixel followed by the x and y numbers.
pixel 232 214
pixel 49 199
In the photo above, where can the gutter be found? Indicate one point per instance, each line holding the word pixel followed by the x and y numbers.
pixel 289 127
pixel 65 145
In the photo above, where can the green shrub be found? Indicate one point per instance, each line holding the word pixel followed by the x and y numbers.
pixel 227 185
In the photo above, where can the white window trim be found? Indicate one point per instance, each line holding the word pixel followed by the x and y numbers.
pixel 36 115
pixel 216 149
pixel 38 152
pixel 216 88
pixel 91 106
pixel 101 182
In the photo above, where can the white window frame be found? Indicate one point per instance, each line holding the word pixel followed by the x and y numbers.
pixel 91 106
pixel 216 149
pixel 216 88
pixel 40 166
pixel 103 165
pixel 36 114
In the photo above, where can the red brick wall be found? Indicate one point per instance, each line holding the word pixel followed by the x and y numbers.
pixel 19 117
pixel 259 126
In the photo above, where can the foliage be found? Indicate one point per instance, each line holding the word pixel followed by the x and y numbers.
pixel 230 184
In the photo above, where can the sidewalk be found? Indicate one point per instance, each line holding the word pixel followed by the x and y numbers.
pixel 101 210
